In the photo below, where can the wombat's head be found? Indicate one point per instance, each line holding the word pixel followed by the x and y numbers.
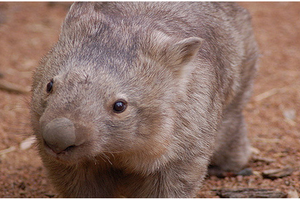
pixel 108 87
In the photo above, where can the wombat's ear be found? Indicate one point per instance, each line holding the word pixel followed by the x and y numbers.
pixel 79 10
pixel 180 54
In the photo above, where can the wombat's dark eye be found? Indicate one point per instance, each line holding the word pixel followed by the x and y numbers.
pixel 120 106
pixel 49 86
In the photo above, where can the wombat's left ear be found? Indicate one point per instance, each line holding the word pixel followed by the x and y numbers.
pixel 180 54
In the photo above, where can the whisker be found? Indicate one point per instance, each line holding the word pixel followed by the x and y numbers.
pixel 107 158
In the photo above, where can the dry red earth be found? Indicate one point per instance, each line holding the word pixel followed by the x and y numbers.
pixel 27 31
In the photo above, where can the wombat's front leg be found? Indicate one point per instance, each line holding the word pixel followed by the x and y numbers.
pixel 170 182
pixel 83 181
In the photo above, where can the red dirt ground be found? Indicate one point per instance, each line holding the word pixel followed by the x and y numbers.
pixel 27 31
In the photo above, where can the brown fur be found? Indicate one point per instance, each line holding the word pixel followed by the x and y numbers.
pixel 185 71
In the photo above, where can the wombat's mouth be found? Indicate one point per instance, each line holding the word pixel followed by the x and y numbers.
pixel 54 153
pixel 71 155
pixel 70 148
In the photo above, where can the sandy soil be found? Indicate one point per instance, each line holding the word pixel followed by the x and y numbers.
pixel 27 31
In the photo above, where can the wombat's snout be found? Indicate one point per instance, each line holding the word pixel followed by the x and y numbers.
pixel 59 134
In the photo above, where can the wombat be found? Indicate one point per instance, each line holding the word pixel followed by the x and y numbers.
pixel 137 99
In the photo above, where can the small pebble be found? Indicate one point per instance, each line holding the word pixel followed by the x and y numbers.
pixel 27 143
pixel 245 172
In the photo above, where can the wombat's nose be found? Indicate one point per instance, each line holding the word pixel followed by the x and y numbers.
pixel 59 134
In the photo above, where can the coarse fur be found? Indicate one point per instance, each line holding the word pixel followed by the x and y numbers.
pixel 185 72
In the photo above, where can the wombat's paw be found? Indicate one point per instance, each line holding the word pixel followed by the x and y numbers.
pixel 216 171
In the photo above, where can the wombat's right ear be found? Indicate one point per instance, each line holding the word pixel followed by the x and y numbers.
pixel 180 54
pixel 81 9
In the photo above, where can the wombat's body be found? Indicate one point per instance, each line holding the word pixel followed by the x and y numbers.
pixel 136 99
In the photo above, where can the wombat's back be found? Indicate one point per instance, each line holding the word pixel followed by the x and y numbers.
pixel 128 27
